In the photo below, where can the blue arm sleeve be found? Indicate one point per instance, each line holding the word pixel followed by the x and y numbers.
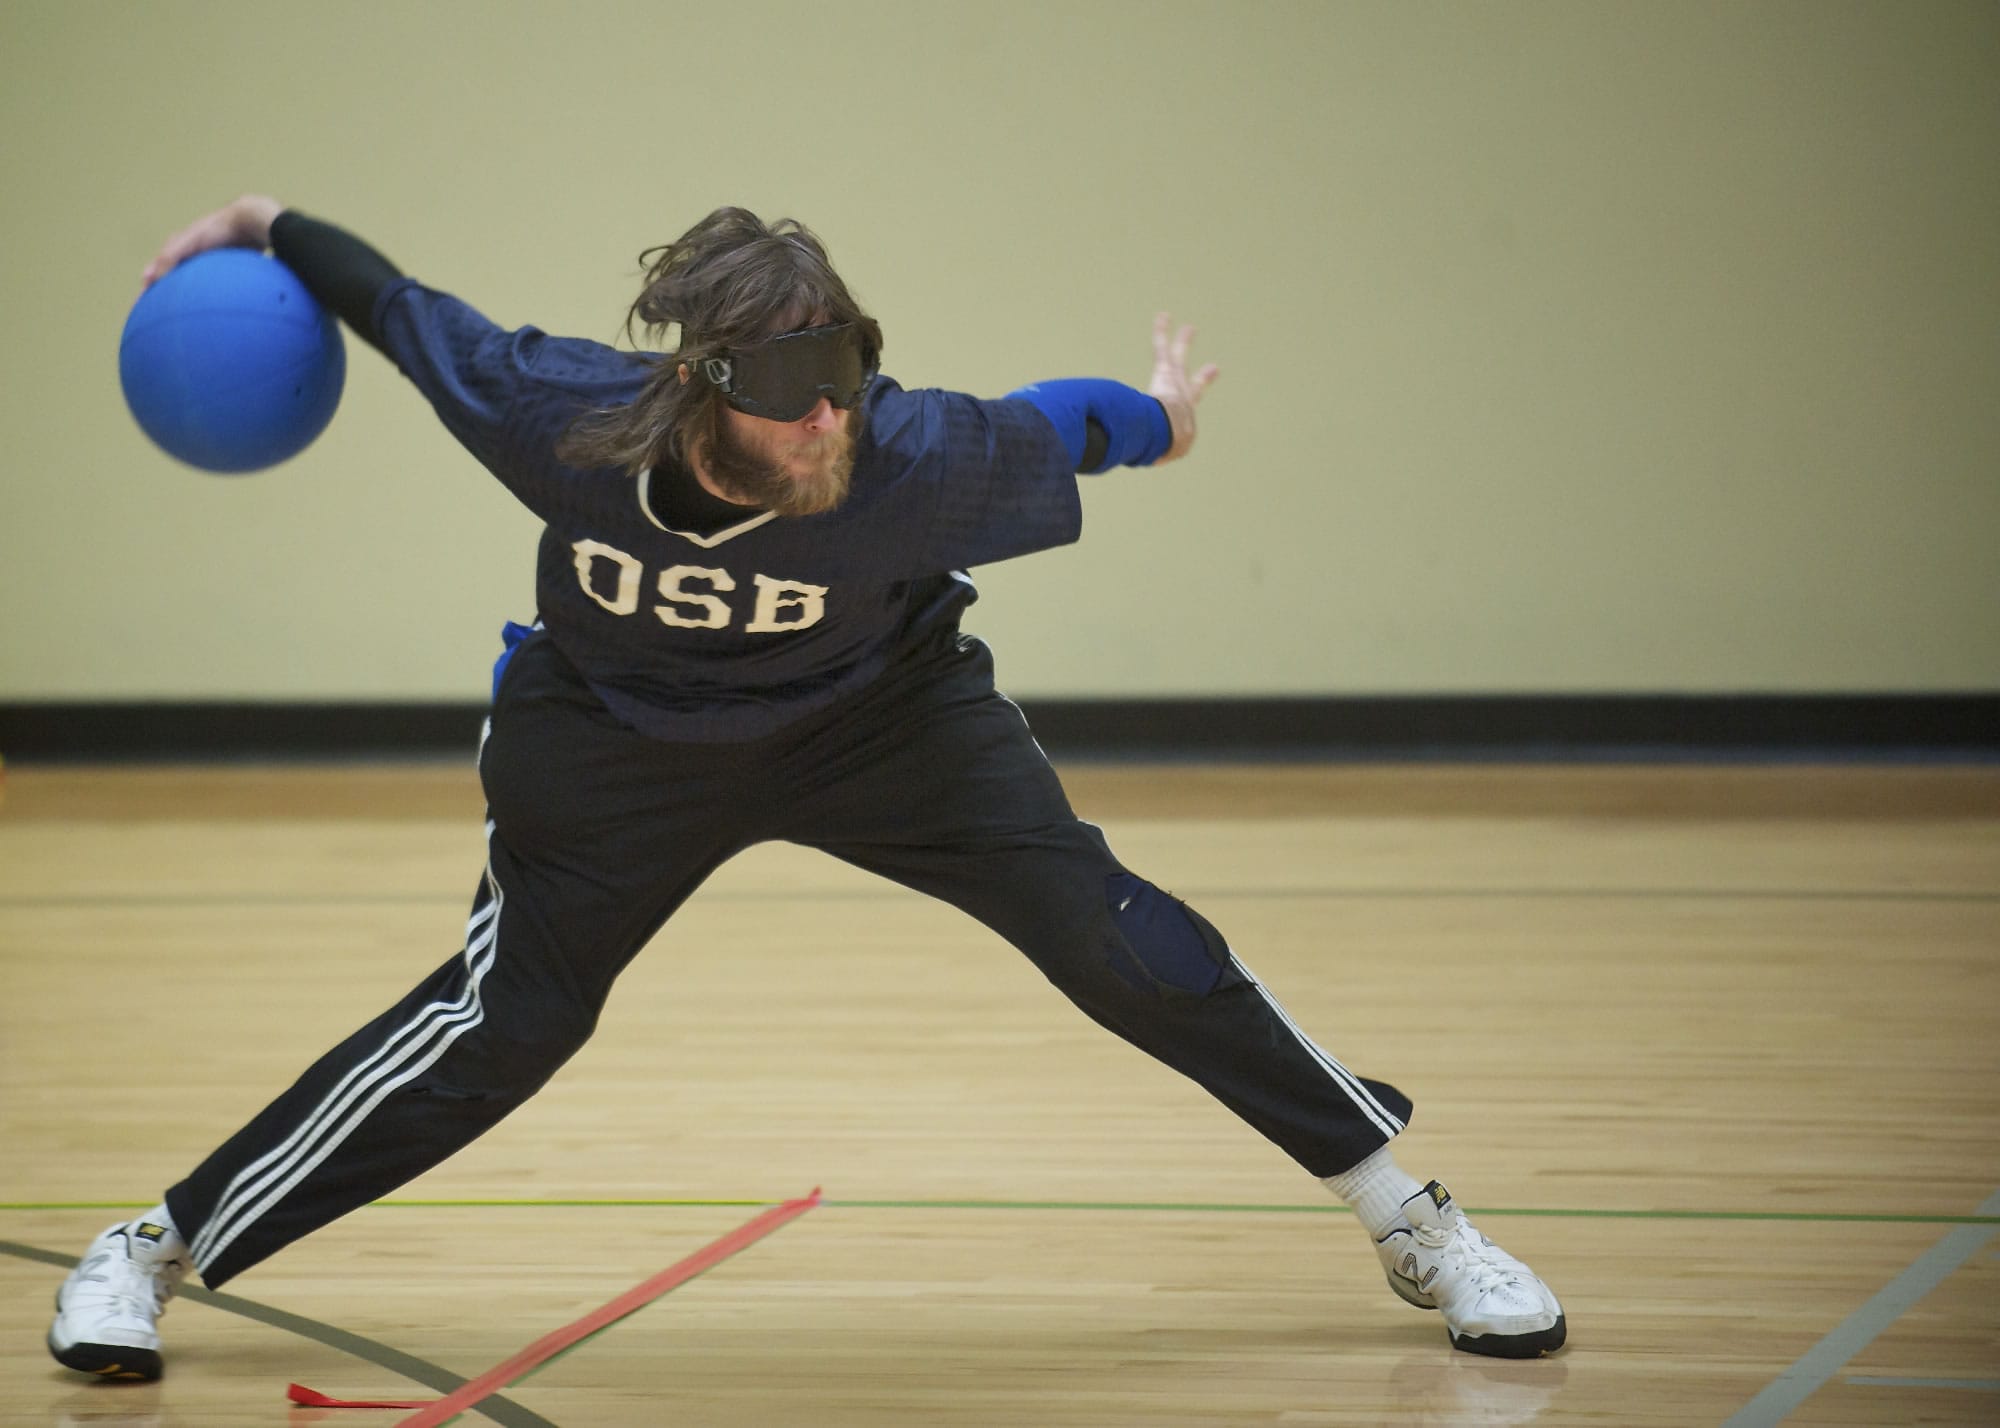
pixel 1134 423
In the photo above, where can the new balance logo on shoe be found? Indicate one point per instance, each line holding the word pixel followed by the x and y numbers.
pixel 1407 1267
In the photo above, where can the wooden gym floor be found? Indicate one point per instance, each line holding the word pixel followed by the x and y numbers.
pixel 1716 1049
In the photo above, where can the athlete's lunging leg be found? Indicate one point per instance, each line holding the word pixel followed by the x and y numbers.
pixel 998 839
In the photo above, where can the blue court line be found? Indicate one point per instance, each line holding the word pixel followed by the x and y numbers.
pixel 1859 1329
pixel 1977 1385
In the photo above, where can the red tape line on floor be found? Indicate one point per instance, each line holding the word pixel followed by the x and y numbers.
pixel 435 1411
pixel 313 1398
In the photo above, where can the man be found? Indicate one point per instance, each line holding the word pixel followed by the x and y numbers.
pixel 750 582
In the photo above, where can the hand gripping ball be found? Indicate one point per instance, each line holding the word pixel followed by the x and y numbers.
pixel 229 364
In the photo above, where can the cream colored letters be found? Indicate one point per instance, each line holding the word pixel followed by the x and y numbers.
pixel 673 588
pixel 692 596
pixel 588 552
pixel 800 604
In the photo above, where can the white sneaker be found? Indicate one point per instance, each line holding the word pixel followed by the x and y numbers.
pixel 1491 1302
pixel 107 1308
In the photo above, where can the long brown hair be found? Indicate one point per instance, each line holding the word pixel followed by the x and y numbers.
pixel 728 282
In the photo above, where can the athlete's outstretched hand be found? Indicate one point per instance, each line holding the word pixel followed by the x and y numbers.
pixel 246 223
pixel 1177 389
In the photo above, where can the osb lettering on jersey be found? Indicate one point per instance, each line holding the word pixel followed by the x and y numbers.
pixel 696 597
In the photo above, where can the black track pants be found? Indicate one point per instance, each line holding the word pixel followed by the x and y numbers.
pixel 596 834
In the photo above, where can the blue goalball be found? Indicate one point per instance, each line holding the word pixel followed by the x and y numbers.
pixel 229 364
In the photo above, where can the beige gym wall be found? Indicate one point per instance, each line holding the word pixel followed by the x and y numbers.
pixel 1566 346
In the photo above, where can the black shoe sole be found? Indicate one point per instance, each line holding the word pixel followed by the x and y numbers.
pixel 1515 1346
pixel 111 1361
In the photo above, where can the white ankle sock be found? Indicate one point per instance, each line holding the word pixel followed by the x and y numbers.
pixel 169 1243
pixel 1376 1188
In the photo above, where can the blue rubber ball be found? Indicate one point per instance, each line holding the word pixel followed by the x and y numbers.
pixel 229 364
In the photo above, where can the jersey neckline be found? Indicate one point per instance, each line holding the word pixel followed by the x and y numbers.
pixel 706 542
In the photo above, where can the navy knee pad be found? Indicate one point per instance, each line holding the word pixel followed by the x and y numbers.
pixel 1167 945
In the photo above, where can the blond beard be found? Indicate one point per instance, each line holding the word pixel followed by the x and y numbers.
pixel 754 480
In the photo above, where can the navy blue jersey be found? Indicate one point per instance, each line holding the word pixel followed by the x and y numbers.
pixel 734 634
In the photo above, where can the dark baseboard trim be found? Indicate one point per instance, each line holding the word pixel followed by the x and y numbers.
pixel 1641 727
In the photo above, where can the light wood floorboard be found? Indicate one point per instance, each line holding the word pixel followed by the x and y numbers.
pixel 1667 1026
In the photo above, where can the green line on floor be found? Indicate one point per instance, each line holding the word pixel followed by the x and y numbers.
pixel 1101 1206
